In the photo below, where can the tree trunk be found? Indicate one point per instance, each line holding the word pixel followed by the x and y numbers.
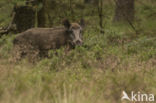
pixel 42 15
pixel 24 18
pixel 44 19
pixel 100 13
pixel 124 10
pixel 90 1
pixel 87 1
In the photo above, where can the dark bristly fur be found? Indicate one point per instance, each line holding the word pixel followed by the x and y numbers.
pixel 44 39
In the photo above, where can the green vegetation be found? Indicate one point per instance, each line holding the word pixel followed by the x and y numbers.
pixel 96 72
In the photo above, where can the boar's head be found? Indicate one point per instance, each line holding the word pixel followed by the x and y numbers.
pixel 74 32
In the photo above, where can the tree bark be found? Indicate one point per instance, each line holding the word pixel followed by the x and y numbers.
pixel 24 18
pixel 44 19
pixel 124 10
pixel 87 1
pixel 100 13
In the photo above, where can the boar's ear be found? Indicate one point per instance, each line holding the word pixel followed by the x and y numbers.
pixel 66 23
pixel 82 23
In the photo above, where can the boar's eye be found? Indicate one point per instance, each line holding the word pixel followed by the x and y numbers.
pixel 70 32
pixel 80 31
pixel 72 36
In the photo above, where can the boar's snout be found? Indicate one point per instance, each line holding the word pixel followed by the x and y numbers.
pixel 78 42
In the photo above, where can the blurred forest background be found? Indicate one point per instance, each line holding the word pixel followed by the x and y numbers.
pixel 119 51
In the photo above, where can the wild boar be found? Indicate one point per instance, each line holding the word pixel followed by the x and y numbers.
pixel 37 41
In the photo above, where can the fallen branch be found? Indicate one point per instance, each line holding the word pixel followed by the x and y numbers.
pixel 10 28
pixel 3 32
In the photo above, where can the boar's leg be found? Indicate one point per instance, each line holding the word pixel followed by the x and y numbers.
pixel 28 51
pixel 16 53
pixel 43 53
pixel 33 55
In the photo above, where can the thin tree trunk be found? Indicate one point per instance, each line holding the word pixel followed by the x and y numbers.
pixel 87 1
pixel 124 10
pixel 100 11
pixel 42 15
pixel 71 9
